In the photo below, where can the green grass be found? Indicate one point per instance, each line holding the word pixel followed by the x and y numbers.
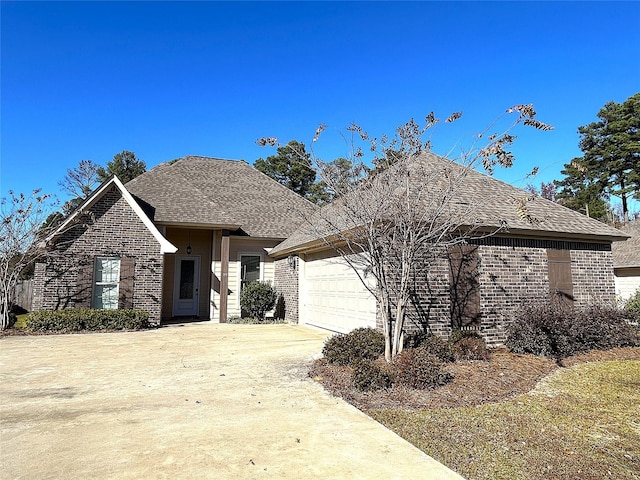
pixel 582 422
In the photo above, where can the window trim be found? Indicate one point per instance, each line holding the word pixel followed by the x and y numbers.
pixel 96 284
pixel 261 277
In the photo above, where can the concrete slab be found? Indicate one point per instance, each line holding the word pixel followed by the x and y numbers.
pixel 198 401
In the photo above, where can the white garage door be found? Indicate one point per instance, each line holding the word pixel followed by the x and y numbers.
pixel 332 296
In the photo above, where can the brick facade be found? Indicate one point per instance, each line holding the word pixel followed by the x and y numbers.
pixel 511 272
pixel 109 229
pixel 286 284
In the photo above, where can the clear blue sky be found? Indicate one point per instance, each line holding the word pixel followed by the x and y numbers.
pixel 87 80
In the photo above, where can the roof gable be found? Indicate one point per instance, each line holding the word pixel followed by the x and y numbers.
pixel 165 245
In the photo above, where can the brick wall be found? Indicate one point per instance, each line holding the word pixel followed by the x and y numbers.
pixel 110 229
pixel 511 272
pixel 286 283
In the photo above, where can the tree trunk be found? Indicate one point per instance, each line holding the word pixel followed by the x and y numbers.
pixel 397 333
pixel 383 305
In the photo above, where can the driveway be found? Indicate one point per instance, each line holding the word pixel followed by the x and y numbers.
pixel 186 402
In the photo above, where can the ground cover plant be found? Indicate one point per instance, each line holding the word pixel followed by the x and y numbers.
pixel 511 415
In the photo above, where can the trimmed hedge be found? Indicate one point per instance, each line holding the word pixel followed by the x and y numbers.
pixel 79 319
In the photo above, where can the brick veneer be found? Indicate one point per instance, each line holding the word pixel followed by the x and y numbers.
pixel 111 228
pixel 286 283
pixel 512 271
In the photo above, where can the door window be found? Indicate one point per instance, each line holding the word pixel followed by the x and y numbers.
pixel 187 278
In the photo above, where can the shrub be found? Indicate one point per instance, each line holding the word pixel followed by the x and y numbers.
pixel 431 343
pixel 417 368
pixel 253 320
pixel 369 376
pixel 633 304
pixel 553 329
pixel 470 348
pixel 458 335
pixel 257 298
pixel 77 319
pixel 361 343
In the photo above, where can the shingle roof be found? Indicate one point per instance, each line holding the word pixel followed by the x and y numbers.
pixel 495 204
pixel 219 193
pixel 627 254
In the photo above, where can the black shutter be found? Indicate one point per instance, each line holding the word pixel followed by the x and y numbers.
pixel 560 280
pixel 84 295
pixel 464 286
pixel 127 277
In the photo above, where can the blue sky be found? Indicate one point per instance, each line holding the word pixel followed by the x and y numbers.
pixel 87 80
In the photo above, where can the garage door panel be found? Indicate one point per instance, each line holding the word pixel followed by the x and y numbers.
pixel 333 297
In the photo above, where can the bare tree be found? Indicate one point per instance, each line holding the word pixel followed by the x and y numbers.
pixel 80 181
pixel 22 218
pixel 400 212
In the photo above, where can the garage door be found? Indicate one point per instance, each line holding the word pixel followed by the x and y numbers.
pixel 332 296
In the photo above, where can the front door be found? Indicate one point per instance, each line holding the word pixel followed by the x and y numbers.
pixel 186 286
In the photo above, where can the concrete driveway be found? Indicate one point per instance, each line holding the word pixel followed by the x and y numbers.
pixel 186 402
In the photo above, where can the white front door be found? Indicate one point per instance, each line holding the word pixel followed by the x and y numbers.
pixel 186 286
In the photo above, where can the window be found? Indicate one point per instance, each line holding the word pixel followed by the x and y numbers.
pixel 106 282
pixel 249 269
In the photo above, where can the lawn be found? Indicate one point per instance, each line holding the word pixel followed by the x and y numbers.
pixel 519 416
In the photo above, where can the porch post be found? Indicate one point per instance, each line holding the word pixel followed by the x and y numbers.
pixel 224 275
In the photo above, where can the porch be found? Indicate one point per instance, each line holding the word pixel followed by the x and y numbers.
pixel 203 278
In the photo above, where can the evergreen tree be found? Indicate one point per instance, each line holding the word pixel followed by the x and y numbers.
pixel 580 191
pixel 125 165
pixel 291 167
pixel 611 148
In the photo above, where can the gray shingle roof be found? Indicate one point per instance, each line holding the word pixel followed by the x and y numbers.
pixel 220 194
pixel 494 203
pixel 627 254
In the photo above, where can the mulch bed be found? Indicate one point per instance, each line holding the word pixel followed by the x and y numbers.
pixel 504 376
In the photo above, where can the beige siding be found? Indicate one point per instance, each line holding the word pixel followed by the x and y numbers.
pixel 238 246
pixel 627 282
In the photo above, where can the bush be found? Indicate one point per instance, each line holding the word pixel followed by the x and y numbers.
pixel 257 298
pixel 470 348
pixel 369 376
pixel 554 329
pixel 361 343
pixel 254 320
pixel 633 304
pixel 431 343
pixel 77 319
pixel 417 368
pixel 458 335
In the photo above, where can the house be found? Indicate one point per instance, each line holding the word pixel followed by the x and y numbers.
pixel 517 257
pixel 626 262
pixel 178 241
pixel 181 240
